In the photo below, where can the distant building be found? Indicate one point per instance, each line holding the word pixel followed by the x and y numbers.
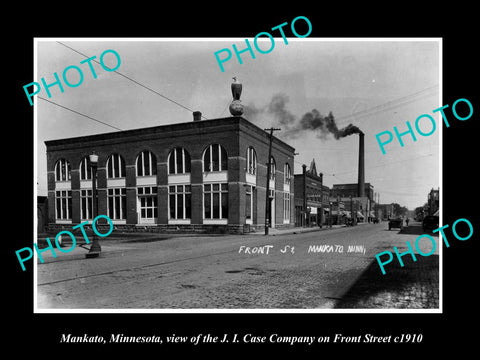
pixel 362 207
pixel 433 202
pixel 337 214
pixel 309 197
pixel 197 176
pixel 325 204
pixel 347 190
pixel 385 211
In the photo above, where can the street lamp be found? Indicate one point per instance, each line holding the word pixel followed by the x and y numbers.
pixel 95 248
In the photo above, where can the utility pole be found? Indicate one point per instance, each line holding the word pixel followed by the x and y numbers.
pixel 355 212
pixel 267 195
pixel 304 187
pixel 351 208
pixel 378 206
pixel 379 203
pixel 338 209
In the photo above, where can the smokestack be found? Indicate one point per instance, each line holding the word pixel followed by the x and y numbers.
pixel 361 164
pixel 197 116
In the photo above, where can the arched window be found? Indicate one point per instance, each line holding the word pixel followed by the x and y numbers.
pixel 85 169
pixel 215 158
pixel 178 161
pixel 115 167
pixel 146 164
pixel 287 174
pixel 62 170
pixel 272 168
pixel 251 161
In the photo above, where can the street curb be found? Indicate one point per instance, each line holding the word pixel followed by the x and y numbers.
pixel 296 231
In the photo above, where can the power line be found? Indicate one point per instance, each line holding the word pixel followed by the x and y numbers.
pixel 335 176
pixel 79 113
pixel 393 103
pixel 390 163
pixel 228 103
pixel 404 100
pixel 401 193
pixel 135 81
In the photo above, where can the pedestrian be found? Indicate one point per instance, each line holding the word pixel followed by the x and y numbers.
pixel 407 220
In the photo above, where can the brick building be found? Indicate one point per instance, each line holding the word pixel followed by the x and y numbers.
pixel 309 197
pixel 347 190
pixel 198 176
pixel 360 206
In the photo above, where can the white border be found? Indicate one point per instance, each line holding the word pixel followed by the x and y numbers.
pixel 253 311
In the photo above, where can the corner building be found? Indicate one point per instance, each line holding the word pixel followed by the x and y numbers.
pixel 201 176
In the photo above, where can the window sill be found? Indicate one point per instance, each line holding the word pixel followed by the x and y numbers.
pixel 215 221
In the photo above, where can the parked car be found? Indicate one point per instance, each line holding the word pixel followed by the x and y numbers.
pixel 430 223
pixel 395 223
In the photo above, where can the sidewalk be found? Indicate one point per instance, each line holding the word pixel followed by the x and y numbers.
pixel 414 286
pixel 300 230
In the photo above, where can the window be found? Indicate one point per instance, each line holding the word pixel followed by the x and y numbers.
pixel 148 202
pixel 215 201
pixel 215 158
pixel 286 206
pixel 62 170
pixel 179 198
pixel 251 161
pixel 178 161
pixel 85 169
pixel 63 207
pixel 115 167
pixel 117 203
pixel 86 209
pixel 146 164
pixel 272 168
pixel 287 174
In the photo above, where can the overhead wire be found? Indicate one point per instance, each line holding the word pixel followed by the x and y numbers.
pixel 79 113
pixel 135 81
pixel 389 163
pixel 379 108
pixel 228 103
pixel 389 105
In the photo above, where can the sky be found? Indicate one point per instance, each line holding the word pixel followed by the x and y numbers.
pixel 374 84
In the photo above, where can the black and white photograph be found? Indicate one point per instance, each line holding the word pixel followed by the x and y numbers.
pixel 179 148
pixel 298 180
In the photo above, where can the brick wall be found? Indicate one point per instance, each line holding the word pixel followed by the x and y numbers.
pixel 234 134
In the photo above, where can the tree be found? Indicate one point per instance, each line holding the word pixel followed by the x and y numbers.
pixel 419 212
pixel 399 210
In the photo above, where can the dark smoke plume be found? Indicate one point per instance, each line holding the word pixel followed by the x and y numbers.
pixel 278 110
pixel 325 124
pixel 291 128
